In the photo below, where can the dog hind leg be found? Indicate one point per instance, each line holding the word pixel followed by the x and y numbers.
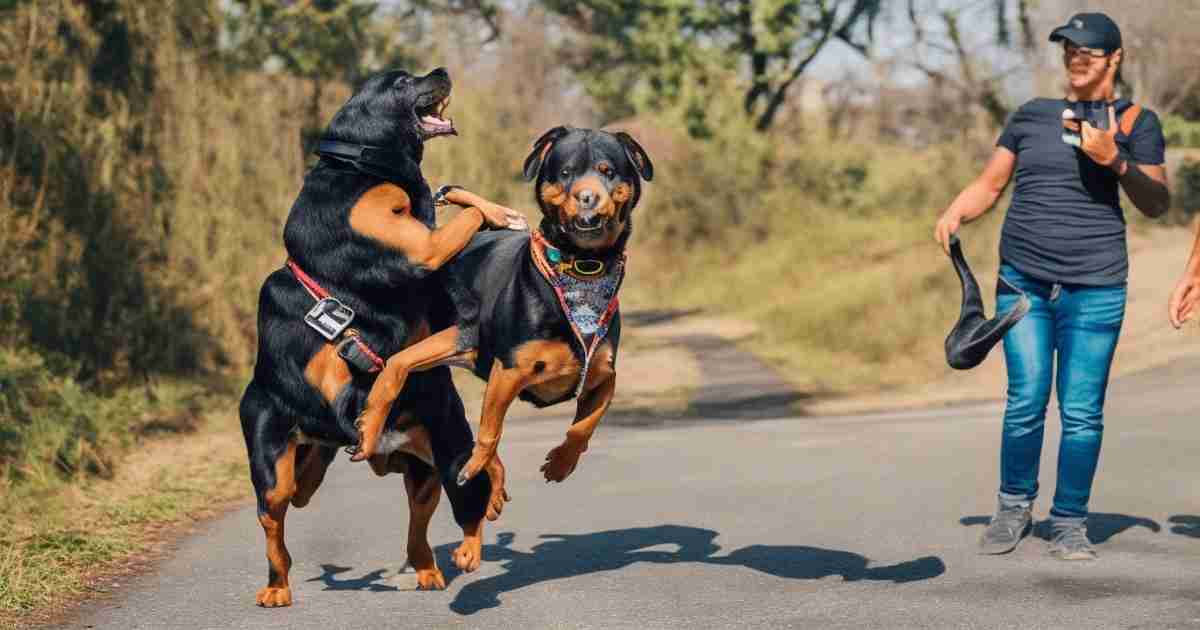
pixel 424 492
pixel 312 461
pixel 483 496
pixel 273 472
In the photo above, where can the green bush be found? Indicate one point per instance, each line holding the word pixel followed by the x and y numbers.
pixel 54 430
pixel 1181 132
pixel 1187 189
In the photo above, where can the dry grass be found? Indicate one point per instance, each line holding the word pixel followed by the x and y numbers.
pixel 58 544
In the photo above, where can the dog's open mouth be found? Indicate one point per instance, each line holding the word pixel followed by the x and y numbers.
pixel 590 227
pixel 433 120
pixel 581 225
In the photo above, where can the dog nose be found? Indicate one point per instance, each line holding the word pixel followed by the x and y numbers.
pixel 587 199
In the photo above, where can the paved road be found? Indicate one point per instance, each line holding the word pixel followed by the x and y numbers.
pixel 725 521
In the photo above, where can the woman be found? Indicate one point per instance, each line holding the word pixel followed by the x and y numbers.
pixel 1063 244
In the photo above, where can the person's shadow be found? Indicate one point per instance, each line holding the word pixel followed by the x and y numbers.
pixel 1101 526
pixel 566 555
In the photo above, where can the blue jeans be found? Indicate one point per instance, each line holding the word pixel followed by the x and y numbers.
pixel 1081 324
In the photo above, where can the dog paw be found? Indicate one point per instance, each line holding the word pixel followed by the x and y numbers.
pixel 430 580
pixel 561 462
pixel 369 425
pixel 427 578
pixel 468 555
pixel 499 495
pixel 480 459
pixel 273 597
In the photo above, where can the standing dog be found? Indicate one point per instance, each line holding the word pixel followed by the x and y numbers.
pixel 362 247
pixel 537 316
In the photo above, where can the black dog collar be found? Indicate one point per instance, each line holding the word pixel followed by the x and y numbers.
pixel 391 166
pixel 394 166
pixel 374 160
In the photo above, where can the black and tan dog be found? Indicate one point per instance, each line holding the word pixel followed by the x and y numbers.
pixel 363 247
pixel 537 315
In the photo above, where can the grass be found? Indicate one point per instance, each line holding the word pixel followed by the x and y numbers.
pixel 61 542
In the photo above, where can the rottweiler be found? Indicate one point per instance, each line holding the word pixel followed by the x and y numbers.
pixel 537 315
pixel 358 286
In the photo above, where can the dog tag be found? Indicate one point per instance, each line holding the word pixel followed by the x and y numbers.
pixel 329 317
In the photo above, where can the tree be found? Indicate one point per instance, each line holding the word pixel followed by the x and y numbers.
pixel 318 40
pixel 339 40
pixel 970 62
pixel 636 55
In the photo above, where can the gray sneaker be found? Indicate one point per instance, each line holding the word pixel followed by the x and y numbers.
pixel 1011 523
pixel 1070 541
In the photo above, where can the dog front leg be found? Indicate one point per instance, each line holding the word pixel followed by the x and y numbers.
pixel 435 350
pixel 503 385
pixel 562 459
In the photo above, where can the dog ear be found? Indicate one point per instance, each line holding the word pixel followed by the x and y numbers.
pixel 637 155
pixel 541 147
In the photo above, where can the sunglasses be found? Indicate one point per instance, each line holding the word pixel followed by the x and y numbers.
pixel 1071 50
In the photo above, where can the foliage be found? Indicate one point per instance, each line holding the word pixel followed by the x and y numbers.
pixel 641 56
pixel 1187 190
pixel 84 184
pixel 325 40
pixel 53 429
pixel 782 220
pixel 1181 132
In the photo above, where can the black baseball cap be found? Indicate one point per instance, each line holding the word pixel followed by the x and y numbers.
pixel 1090 30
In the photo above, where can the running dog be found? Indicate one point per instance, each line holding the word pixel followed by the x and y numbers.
pixel 537 315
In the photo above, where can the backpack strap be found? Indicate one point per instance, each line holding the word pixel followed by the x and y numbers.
pixel 1129 118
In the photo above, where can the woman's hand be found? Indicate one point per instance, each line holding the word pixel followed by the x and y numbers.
pixel 1100 144
pixel 1184 298
pixel 948 224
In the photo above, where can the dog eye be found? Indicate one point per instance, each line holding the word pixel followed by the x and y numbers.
pixel 566 172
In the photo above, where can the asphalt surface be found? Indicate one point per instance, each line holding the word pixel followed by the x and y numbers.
pixel 724 519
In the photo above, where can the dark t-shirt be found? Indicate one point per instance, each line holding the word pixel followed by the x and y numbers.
pixel 1065 223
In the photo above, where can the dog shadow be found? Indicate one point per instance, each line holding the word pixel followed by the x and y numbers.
pixel 563 556
pixel 1101 526
pixel 370 582
pixel 1185 525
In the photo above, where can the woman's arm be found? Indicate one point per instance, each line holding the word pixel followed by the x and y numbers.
pixel 978 197
pixel 1146 185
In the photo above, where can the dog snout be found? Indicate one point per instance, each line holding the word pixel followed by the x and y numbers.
pixel 587 199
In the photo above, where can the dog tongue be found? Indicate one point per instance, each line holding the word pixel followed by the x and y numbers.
pixel 433 124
